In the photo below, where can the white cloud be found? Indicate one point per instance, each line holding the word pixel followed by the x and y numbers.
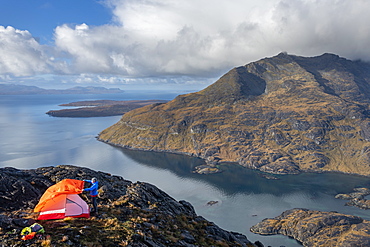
pixel 314 27
pixel 20 53
pixel 204 37
pixel 161 38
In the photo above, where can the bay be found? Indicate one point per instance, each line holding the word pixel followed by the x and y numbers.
pixel 30 139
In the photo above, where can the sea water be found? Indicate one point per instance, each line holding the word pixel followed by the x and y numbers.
pixel 30 139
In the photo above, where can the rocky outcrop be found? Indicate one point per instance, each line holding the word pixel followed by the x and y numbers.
pixel 130 214
pixel 315 228
pixel 356 198
pixel 206 169
pixel 22 189
pixel 283 115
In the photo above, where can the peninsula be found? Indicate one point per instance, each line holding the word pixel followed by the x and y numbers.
pixel 284 115
pixel 101 108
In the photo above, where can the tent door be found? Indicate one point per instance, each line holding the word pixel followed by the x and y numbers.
pixel 73 207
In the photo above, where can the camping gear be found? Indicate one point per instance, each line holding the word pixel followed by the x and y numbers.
pixel 62 200
pixel 30 231
pixel 29 236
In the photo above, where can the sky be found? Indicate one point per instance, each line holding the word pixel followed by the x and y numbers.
pixel 168 43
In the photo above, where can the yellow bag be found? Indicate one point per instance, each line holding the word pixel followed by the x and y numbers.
pixel 26 231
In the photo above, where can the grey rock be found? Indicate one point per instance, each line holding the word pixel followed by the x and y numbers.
pixel 187 237
pixel 5 221
pixel 199 129
pixel 314 228
pixel 300 125
pixel 23 222
pixel 357 198
pixel 142 195
pixel 346 128
pixel 365 131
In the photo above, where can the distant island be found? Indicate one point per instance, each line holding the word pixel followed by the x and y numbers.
pixel 101 108
pixel 14 89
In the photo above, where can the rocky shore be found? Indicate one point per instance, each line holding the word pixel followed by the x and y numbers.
pixel 315 228
pixel 130 214
pixel 356 198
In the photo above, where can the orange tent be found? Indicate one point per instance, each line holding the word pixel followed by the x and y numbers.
pixel 62 200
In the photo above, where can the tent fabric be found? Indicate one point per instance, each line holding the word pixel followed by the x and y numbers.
pixel 76 206
pixel 66 186
pixel 67 205
pixel 61 200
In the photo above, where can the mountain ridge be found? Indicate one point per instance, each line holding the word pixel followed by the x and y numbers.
pixel 284 114
pixel 15 89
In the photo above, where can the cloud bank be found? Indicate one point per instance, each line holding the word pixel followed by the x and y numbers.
pixel 194 38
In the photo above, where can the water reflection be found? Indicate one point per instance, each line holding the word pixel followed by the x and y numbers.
pixel 244 196
pixel 236 179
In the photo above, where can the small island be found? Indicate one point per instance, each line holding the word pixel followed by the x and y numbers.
pixel 101 108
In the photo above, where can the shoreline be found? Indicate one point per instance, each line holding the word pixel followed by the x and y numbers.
pixel 101 108
pixel 226 162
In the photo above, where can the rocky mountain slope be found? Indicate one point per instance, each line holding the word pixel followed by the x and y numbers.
pixel 284 114
pixel 130 214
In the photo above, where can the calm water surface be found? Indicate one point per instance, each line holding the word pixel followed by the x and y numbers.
pixel 31 139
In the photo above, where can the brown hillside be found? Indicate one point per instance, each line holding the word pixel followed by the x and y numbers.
pixel 284 114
